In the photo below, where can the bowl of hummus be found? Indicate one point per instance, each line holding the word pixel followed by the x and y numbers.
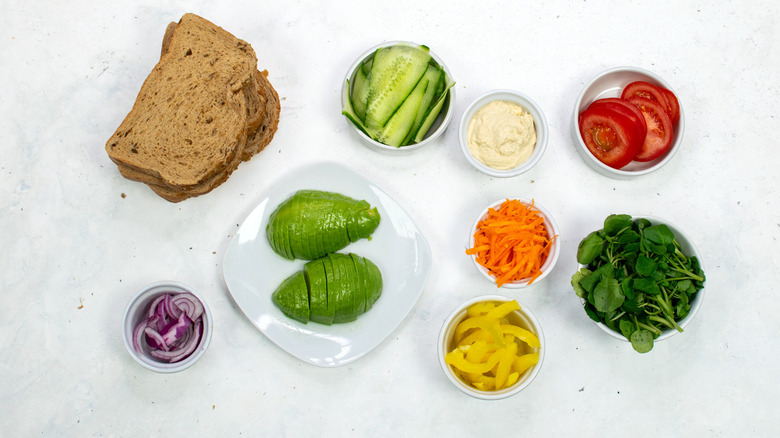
pixel 503 133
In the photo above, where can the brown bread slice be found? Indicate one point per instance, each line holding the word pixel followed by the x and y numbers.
pixel 189 120
pixel 263 131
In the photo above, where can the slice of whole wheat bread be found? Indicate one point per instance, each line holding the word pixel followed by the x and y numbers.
pixel 189 120
pixel 265 108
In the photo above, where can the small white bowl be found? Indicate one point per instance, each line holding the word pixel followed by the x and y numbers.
pixel 689 249
pixel 552 257
pixel 523 318
pixel 540 124
pixel 439 125
pixel 135 313
pixel 610 84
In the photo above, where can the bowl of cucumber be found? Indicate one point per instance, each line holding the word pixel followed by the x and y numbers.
pixel 398 109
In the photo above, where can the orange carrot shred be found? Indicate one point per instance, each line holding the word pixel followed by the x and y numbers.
pixel 512 243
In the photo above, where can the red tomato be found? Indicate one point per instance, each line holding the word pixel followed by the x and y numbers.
pixel 646 90
pixel 628 109
pixel 659 129
pixel 674 105
pixel 609 135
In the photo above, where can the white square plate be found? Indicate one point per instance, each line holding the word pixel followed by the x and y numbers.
pixel 252 270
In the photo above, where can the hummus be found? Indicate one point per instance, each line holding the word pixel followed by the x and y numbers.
pixel 501 135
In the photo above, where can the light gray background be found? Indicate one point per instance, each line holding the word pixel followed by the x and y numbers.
pixel 75 250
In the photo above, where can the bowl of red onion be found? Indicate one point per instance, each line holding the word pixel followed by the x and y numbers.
pixel 167 327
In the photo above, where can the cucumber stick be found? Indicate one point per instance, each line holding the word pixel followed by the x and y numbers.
pixel 397 128
pixel 434 74
pixel 360 90
pixel 433 112
pixel 395 72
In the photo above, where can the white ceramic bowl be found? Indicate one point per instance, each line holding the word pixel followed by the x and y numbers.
pixel 689 249
pixel 552 257
pixel 523 318
pixel 135 313
pixel 436 130
pixel 610 84
pixel 540 123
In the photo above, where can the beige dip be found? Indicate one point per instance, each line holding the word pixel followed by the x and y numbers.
pixel 501 135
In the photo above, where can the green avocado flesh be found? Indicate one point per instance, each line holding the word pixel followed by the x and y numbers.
pixel 313 223
pixel 336 288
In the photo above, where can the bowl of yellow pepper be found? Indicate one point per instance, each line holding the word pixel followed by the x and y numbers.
pixel 490 347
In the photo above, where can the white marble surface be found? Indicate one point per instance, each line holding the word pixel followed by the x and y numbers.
pixel 75 250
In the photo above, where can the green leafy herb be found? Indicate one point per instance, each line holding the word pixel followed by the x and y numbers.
pixel 637 281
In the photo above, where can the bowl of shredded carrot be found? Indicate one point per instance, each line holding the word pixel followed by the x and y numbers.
pixel 490 347
pixel 514 243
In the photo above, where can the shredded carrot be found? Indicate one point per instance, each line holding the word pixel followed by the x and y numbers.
pixel 512 242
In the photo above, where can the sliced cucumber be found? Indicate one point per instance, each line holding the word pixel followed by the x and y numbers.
pixel 349 111
pixel 395 72
pixel 360 92
pixel 434 112
pixel 397 128
pixel 434 75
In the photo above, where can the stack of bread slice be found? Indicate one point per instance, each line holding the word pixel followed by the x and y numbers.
pixel 202 110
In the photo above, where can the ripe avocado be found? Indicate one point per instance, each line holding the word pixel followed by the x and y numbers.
pixel 292 297
pixel 336 288
pixel 335 220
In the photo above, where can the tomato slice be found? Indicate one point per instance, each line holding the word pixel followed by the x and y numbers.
pixel 609 135
pixel 674 104
pixel 646 90
pixel 628 109
pixel 659 129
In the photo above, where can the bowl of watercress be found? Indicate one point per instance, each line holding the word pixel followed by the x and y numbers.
pixel 640 279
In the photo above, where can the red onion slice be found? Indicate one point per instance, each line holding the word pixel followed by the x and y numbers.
pixel 155 340
pixel 184 351
pixel 153 307
pixel 189 304
pixel 173 327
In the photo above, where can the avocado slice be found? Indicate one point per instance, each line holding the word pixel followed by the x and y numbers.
pixel 342 290
pixel 374 284
pixel 330 288
pixel 357 286
pixel 292 297
pixel 314 271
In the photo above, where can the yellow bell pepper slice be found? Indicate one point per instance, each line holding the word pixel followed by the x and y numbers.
pixel 512 379
pixel 477 335
pixel 503 310
pixel 521 334
pixel 505 364
pixel 477 352
pixel 456 359
pixel 491 325
pixel 522 363
pixel 479 309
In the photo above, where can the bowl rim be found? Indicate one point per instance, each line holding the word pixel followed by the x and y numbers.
pixel 474 392
pixel 592 160
pixel 139 302
pixel 530 106
pixel 552 229
pixel 696 304
pixel 446 116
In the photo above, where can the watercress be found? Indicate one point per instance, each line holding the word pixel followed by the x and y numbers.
pixel 637 281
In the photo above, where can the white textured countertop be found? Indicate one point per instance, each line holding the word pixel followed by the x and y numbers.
pixel 79 240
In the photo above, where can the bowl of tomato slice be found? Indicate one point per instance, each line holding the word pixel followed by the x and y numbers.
pixel 627 122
